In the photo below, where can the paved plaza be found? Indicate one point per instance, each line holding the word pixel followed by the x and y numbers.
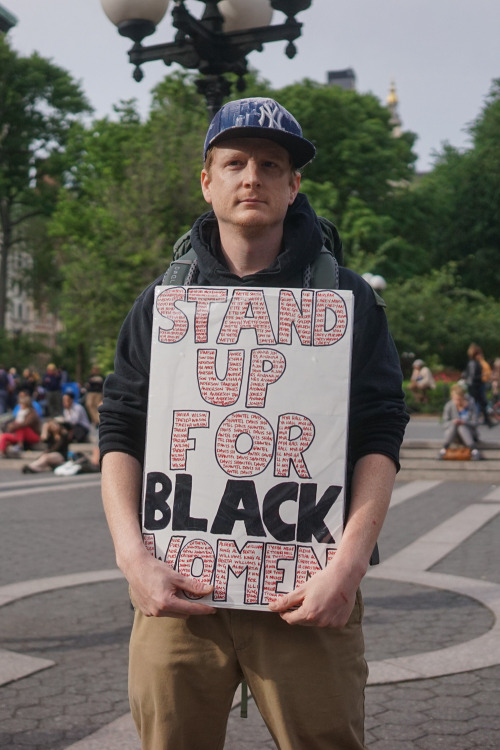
pixel 432 622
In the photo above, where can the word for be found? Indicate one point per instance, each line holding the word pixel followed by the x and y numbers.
pixel 319 319
pixel 240 502
pixel 294 435
pixel 256 565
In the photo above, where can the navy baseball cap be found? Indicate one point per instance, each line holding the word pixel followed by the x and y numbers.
pixel 259 117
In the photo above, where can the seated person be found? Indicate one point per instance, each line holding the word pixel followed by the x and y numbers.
pixel 56 436
pixel 36 406
pixel 24 430
pixel 460 422
pixel 75 419
pixel 421 380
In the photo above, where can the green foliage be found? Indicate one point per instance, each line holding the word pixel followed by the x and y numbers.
pixel 38 104
pixel 356 149
pixel 437 319
pixel 436 399
pixel 134 190
pixel 126 190
pixel 23 350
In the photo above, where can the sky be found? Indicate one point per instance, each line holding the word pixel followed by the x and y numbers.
pixel 442 55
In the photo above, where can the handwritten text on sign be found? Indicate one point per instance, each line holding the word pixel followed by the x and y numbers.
pixel 247 429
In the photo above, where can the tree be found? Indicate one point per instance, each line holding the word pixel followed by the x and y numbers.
pixel 38 103
pixel 437 318
pixel 133 191
pixel 461 198
pixel 357 151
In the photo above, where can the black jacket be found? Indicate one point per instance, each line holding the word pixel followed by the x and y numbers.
pixel 378 416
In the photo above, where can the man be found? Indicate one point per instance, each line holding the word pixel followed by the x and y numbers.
pixel 187 658
pixel 75 419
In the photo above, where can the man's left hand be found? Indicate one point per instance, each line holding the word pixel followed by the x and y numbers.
pixel 325 601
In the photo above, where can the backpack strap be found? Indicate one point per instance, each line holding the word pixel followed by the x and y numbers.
pixel 181 271
pixel 323 273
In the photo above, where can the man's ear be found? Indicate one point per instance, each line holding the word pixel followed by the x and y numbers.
pixel 294 187
pixel 205 185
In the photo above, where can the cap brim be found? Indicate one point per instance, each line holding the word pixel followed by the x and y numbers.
pixel 300 149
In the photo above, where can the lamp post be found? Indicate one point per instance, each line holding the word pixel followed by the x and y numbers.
pixel 7 20
pixel 216 44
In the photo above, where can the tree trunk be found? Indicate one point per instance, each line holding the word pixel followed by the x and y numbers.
pixel 5 243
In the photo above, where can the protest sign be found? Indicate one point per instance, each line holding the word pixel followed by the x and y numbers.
pixel 244 477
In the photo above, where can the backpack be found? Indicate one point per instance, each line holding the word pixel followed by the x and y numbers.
pixel 322 274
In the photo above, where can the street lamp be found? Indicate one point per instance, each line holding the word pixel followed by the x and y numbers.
pixel 215 44
pixel 7 19
pixel 378 283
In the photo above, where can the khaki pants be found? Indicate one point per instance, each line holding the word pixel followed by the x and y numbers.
pixel 308 683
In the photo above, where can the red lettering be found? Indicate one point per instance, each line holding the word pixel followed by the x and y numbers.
pixel 247 310
pixel 180 442
pixel 165 304
pixel 225 391
pixel 244 444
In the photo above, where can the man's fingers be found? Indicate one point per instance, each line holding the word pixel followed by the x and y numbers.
pixel 287 602
pixel 193 586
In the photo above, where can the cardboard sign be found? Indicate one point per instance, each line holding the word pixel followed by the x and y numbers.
pixel 247 431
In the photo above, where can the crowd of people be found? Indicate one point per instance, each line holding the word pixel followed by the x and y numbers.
pixel 49 411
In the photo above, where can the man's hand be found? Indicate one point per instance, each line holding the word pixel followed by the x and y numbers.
pixel 155 586
pixel 156 589
pixel 325 601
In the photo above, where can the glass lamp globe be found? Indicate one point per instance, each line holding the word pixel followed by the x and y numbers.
pixel 242 14
pixel 121 11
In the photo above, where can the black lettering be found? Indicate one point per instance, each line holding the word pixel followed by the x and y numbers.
pixel 182 520
pixel 156 500
pixel 311 520
pixel 239 491
pixel 274 498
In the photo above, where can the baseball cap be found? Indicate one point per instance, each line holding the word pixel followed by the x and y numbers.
pixel 259 117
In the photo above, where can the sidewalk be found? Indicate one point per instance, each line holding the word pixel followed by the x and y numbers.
pixel 432 614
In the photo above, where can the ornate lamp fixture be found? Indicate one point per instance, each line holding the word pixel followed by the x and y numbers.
pixel 7 20
pixel 216 44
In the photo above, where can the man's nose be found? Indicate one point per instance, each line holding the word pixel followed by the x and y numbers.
pixel 252 173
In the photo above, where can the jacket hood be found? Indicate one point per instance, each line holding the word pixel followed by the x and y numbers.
pixel 302 243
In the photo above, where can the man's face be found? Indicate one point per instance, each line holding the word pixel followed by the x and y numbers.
pixel 250 183
pixel 67 401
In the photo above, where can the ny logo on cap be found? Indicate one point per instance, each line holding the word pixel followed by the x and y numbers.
pixel 272 113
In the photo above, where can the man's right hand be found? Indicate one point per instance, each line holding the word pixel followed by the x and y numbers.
pixel 156 590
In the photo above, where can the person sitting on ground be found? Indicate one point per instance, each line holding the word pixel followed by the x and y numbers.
pixel 56 436
pixel 421 381
pixel 36 406
pixel 24 430
pixel 460 422
pixel 75 419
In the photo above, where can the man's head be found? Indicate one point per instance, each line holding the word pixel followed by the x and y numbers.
pixel 258 117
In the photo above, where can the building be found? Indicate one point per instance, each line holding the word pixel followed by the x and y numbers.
pixel 346 79
pixel 392 102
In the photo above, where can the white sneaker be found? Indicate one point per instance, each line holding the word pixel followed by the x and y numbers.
pixel 475 455
pixel 442 454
